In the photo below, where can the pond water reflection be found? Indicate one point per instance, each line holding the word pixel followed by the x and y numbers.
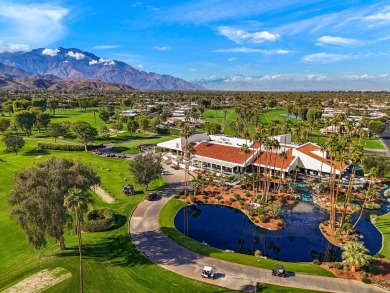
pixel 300 240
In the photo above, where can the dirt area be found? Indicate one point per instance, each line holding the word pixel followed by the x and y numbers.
pixel 40 281
pixel 103 194
pixel 383 272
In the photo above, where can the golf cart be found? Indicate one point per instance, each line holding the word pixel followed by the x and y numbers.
pixel 208 272
pixel 279 271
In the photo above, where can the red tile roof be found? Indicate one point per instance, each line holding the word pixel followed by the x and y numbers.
pixel 308 150
pixel 274 159
pixel 222 152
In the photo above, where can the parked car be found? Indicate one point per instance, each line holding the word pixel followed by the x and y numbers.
pixel 151 196
pixel 166 172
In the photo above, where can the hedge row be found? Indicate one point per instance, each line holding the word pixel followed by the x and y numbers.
pixel 65 147
pixel 98 220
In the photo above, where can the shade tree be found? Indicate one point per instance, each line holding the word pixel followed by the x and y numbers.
pixel 38 197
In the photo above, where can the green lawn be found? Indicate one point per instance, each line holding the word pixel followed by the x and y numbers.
pixel 269 288
pixel 111 262
pixel 130 146
pixel 166 221
pixel 383 224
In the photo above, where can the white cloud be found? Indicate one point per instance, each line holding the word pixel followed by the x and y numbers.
pixel 103 61
pixel 10 47
pixel 327 57
pixel 336 41
pixel 251 50
pixel 162 48
pixel 241 36
pixel 139 66
pixel 297 82
pixel 35 24
pixel 231 59
pixel 76 55
pixel 104 47
pixel 50 52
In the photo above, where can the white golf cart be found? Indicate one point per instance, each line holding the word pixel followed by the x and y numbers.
pixel 208 272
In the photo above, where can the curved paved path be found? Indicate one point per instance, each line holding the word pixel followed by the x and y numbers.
pixel 154 244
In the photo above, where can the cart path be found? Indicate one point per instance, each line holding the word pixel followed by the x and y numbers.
pixel 145 233
pixel 103 194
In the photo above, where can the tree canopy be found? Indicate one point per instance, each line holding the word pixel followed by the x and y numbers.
pixel 85 132
pixel 38 197
pixel 145 169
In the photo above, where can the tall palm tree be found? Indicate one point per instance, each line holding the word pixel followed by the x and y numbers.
pixel 355 254
pixel 257 139
pixel 283 156
pixel 356 154
pixel 77 201
pixel 186 132
pixel 245 150
pixel 372 175
pixel 267 147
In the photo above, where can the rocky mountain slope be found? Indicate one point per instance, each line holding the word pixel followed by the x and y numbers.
pixel 80 65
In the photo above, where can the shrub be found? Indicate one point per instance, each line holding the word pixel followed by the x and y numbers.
pixel 241 202
pixel 237 196
pixel 98 220
pixel 221 202
pixel 366 280
pixel 337 265
pixel 65 147
pixel 263 219
pixel 316 262
pixel 258 253
pixel 176 197
pixel 373 270
pixel 232 199
pixel 247 194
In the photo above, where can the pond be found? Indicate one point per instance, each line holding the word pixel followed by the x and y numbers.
pixel 301 240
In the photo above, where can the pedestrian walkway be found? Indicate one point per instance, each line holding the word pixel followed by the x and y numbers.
pixel 153 243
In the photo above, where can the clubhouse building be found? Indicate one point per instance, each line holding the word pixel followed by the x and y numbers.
pixel 223 155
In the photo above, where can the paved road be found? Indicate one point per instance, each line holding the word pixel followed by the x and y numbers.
pixel 385 137
pixel 151 241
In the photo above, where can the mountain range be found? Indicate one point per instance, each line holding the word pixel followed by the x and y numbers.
pixel 59 68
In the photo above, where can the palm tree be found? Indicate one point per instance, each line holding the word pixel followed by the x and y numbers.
pixel 283 156
pixel 77 201
pixel 189 150
pixel 186 132
pixel 267 147
pixel 372 175
pixel 356 154
pixel 257 140
pixel 355 254
pixel 245 150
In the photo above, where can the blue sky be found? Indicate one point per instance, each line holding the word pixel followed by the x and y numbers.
pixel 243 43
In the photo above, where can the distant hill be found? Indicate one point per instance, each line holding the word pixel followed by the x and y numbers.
pixel 76 64
pixel 13 78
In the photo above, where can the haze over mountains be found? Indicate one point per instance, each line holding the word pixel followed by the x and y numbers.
pixel 53 69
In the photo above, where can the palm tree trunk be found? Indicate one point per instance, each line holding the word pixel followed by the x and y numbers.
pixel 348 196
pixel 364 204
pixel 80 249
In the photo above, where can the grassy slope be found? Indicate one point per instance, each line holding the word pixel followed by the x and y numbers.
pixel 111 261
pixel 383 224
pixel 166 221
